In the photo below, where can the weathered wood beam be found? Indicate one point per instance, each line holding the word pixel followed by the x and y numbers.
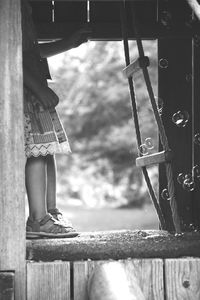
pixel 12 211
pixel 115 245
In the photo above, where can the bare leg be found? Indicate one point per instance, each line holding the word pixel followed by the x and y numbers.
pixel 36 186
pixel 51 191
pixel 51 182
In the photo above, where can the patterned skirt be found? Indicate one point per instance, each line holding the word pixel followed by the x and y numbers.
pixel 43 130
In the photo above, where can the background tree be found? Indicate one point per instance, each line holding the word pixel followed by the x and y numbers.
pixel 96 112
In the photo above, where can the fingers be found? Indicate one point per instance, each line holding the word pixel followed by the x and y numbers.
pixel 53 102
pixel 49 99
pixel 81 38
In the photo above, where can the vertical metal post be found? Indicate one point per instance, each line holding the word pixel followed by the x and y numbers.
pixel 195 78
pixel 175 90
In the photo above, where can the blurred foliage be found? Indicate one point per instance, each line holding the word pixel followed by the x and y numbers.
pixel 96 112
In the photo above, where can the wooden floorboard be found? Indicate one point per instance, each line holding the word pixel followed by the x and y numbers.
pixel 182 279
pixel 147 273
pixel 49 281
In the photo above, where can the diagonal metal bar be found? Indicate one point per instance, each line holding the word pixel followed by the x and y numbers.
pixel 135 115
pixel 163 137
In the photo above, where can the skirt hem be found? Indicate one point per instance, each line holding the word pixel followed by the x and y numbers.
pixel 50 149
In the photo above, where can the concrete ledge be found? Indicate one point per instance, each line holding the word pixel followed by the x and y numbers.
pixel 115 245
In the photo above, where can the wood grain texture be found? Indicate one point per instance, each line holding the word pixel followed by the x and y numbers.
pixel 82 271
pixel 182 279
pixel 149 274
pixel 145 275
pixel 7 285
pixel 49 281
pixel 12 215
pixel 81 275
pixel 115 245
pixel 136 66
pixel 155 158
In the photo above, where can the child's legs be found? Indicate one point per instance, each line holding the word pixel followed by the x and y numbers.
pixel 35 173
pixel 51 182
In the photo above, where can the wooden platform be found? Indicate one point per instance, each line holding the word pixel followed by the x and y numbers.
pixel 115 245
pixel 166 266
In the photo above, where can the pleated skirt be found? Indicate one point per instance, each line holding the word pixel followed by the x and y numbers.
pixel 43 131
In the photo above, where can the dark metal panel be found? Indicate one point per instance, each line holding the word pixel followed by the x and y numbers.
pixel 175 20
pixel 104 20
pixel 100 31
pixel 146 13
pixel 175 89
pixel 109 11
pixel 70 11
pixel 196 129
pixel 105 11
pixel 41 11
pixel 175 17
pixel 96 0
pixel 176 93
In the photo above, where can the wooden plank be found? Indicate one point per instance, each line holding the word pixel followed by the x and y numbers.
pixel 102 245
pixel 135 66
pixel 81 273
pixel 112 281
pixel 12 212
pixel 50 280
pixel 182 279
pixel 147 274
pixel 7 285
pixel 155 158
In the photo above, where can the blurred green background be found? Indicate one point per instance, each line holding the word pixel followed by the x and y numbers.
pixel 98 186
